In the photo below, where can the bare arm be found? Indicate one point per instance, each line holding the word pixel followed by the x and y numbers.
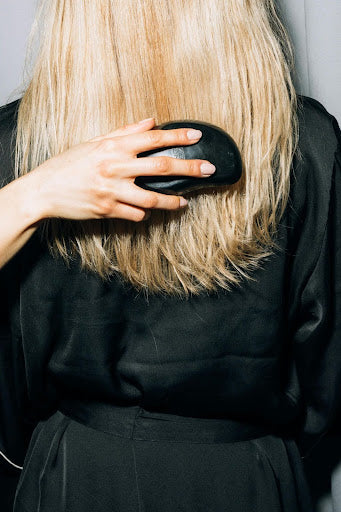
pixel 94 179
pixel 19 216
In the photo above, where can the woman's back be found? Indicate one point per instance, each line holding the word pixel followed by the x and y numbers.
pixel 262 360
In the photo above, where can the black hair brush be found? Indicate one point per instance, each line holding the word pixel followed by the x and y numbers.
pixel 215 145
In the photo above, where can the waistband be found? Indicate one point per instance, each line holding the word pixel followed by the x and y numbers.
pixel 134 422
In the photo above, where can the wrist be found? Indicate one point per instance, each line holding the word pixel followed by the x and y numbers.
pixel 31 204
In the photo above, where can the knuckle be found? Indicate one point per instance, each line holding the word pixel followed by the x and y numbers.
pixel 103 171
pixel 104 208
pixel 161 164
pixel 154 137
pixel 107 145
pixel 150 201
pixel 100 188
pixel 194 168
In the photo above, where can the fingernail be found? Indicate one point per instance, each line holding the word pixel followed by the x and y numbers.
pixel 194 134
pixel 207 169
pixel 183 202
pixel 145 120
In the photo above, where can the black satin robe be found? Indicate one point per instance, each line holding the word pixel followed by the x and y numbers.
pixel 267 353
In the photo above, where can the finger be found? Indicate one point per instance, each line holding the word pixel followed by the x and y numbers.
pixel 141 126
pixel 152 139
pixel 129 212
pixel 160 165
pixel 134 195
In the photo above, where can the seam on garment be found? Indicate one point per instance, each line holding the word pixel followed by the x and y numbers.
pixel 29 454
pixel 307 454
pixel 136 479
pixel 58 434
pixel 200 359
pixel 160 440
pixel 22 505
pixel 134 455
pixel 263 451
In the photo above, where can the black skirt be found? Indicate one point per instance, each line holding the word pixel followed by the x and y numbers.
pixel 127 459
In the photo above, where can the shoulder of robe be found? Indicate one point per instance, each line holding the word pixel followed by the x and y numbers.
pixel 319 132
pixel 313 166
pixel 314 119
pixel 8 117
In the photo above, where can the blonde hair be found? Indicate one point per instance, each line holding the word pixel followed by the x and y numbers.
pixel 106 63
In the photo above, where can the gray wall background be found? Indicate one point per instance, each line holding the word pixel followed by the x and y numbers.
pixel 315 27
pixel 16 18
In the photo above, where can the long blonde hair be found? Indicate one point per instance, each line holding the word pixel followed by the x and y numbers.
pixel 105 63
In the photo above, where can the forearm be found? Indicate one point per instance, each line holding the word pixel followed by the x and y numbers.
pixel 19 216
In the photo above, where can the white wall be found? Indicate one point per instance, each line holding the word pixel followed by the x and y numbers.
pixel 16 17
pixel 315 27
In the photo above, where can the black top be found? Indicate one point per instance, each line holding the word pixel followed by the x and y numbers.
pixel 268 352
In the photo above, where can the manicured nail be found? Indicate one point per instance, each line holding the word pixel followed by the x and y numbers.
pixel 194 134
pixel 183 202
pixel 207 169
pixel 145 120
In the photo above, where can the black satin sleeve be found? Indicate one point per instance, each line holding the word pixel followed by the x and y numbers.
pixel 316 279
pixel 15 428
